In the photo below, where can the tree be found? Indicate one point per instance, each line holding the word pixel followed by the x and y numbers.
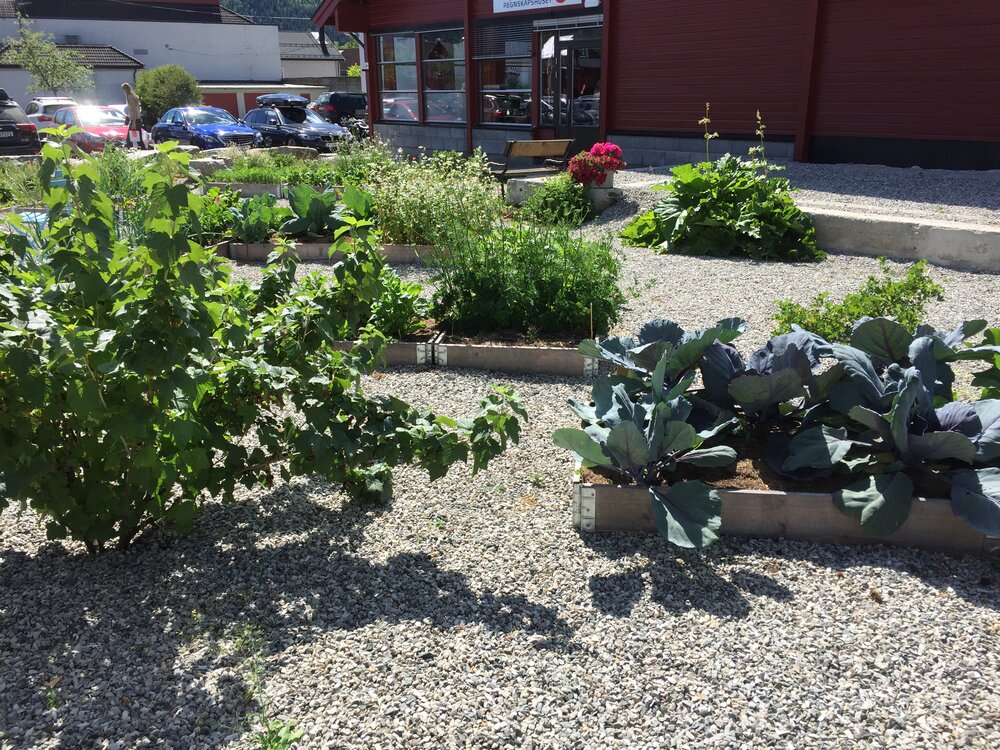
pixel 164 88
pixel 52 68
pixel 354 71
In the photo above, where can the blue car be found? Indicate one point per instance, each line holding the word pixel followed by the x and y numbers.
pixel 204 127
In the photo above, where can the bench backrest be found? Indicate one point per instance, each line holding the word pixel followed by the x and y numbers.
pixel 552 149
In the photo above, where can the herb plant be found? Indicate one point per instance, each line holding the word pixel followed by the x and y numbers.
pixel 136 380
pixel 527 280
pixel 903 299
pixel 558 201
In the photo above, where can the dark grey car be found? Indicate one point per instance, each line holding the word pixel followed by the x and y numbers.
pixel 18 136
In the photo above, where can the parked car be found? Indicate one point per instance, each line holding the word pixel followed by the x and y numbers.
pixel 42 109
pixel 204 127
pixel 101 126
pixel 284 120
pixel 407 109
pixel 18 136
pixel 339 106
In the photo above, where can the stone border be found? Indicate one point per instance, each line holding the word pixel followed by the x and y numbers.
pixel 808 516
pixel 966 246
pixel 537 360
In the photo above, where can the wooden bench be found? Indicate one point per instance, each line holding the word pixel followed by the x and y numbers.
pixel 555 153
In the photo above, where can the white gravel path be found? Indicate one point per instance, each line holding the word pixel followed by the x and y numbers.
pixel 470 614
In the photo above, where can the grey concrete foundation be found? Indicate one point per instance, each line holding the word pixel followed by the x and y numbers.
pixel 411 138
pixel 653 151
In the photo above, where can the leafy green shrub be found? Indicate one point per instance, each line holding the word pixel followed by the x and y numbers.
pixel 401 310
pixel 357 161
pixel 725 208
pixel 164 88
pixel 558 202
pixel 132 374
pixel 257 219
pixel 903 299
pixel 527 280
pixel 219 214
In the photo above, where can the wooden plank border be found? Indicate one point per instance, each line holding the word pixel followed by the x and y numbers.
pixel 393 254
pixel 536 360
pixel 807 516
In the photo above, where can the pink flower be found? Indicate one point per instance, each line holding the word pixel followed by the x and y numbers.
pixel 593 167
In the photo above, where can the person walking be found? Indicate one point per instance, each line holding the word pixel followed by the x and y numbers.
pixel 134 115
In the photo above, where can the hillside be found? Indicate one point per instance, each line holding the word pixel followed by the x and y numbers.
pixel 288 14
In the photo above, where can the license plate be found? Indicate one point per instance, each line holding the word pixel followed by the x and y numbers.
pixel 6 134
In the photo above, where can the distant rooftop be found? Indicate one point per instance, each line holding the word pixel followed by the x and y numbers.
pixel 94 55
pixel 304 45
pixel 120 10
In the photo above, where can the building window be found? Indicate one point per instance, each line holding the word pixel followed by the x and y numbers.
pixel 505 90
pixel 443 62
pixel 397 56
pixel 439 76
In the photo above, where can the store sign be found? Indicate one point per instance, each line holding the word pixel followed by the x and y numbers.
pixel 509 6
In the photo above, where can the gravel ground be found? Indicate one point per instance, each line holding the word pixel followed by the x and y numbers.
pixel 470 614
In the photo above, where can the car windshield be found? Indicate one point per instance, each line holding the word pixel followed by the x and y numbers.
pixel 299 115
pixel 91 117
pixel 11 113
pixel 204 117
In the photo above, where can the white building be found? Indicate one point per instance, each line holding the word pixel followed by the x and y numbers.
pixel 213 43
pixel 302 56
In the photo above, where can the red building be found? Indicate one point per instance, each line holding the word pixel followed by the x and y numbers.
pixel 900 82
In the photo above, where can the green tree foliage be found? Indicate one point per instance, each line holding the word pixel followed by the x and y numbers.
pixel 53 69
pixel 137 380
pixel 289 15
pixel 164 88
pixel 354 71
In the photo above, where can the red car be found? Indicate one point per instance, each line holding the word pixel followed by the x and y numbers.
pixel 101 125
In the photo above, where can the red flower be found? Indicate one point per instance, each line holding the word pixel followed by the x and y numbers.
pixel 592 168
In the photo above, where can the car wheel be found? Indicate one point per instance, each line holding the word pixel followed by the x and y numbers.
pixel 293 141
pixel 267 141
pixel 343 120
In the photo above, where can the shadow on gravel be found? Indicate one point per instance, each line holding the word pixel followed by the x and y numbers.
pixel 678 580
pixel 683 579
pixel 147 632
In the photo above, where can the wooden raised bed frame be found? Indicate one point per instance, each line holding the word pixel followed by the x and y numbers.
pixel 808 516
pixel 543 360
pixel 393 254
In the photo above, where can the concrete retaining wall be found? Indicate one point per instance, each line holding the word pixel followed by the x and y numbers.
pixel 654 151
pixel 968 246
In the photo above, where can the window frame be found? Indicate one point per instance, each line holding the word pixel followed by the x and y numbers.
pixel 422 90
pixel 481 91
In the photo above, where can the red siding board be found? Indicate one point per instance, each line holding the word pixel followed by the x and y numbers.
pixel 909 69
pixel 401 14
pixel 672 56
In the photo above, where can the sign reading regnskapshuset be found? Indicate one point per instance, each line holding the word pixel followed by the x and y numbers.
pixel 508 6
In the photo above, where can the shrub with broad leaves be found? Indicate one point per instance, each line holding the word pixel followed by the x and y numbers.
pixel 137 380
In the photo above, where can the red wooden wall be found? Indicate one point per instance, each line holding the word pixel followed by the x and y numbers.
pixel 228 102
pixel 669 57
pixel 409 14
pixel 908 69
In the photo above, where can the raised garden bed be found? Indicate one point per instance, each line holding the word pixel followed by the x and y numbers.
pixel 808 516
pixel 513 358
pixel 402 353
pixel 258 252
pixel 249 189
